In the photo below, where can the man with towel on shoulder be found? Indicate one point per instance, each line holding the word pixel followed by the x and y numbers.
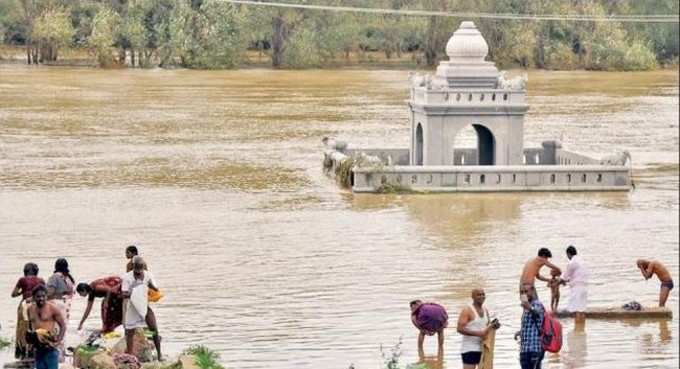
pixel 429 318
pixel 133 319
pixel 476 327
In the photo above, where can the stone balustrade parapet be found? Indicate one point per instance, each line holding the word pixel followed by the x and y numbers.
pixel 464 156
pixel 467 97
pixel 492 168
pixel 585 174
pixel 390 156
pixel 492 178
pixel 563 157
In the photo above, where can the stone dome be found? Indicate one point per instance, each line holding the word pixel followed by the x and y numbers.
pixel 467 43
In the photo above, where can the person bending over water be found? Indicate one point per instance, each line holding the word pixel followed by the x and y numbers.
pixel 108 288
pixel 429 318
pixel 650 267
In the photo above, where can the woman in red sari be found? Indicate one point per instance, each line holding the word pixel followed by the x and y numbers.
pixel 24 288
pixel 112 304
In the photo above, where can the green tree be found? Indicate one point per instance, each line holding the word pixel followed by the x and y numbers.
pixel 216 40
pixel 52 30
pixel 302 50
pixel 438 30
pixel 105 30
pixel 133 34
pixel 662 38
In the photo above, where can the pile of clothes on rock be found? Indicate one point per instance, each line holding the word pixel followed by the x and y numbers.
pixel 108 352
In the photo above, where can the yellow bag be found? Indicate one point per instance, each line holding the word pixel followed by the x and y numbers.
pixel 154 296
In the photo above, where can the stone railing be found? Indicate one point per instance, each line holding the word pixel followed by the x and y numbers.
pixel 532 156
pixel 563 157
pixel 535 156
pixel 387 156
pixel 493 178
pixel 487 97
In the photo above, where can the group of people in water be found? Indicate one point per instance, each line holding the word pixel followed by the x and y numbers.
pixel 44 310
pixel 477 327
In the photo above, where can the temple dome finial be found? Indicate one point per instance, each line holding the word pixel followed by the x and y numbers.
pixel 466 67
pixel 467 43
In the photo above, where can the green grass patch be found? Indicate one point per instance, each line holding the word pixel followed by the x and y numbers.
pixel 392 355
pixel 343 172
pixel 4 343
pixel 204 357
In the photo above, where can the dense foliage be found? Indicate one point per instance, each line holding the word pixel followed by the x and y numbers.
pixel 218 34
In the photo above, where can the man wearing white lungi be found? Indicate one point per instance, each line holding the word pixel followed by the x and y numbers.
pixel 134 290
pixel 576 276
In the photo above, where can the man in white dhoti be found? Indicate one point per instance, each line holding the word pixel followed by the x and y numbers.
pixel 134 290
pixel 576 276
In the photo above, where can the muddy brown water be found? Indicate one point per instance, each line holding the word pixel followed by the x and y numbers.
pixel 217 176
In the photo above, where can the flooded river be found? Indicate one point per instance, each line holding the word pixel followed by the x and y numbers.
pixel 217 177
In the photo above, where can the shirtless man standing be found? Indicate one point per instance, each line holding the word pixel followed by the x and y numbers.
pixel 649 268
pixel 48 327
pixel 533 266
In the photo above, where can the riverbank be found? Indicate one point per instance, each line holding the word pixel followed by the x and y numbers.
pixel 88 357
pixel 70 57
pixel 252 59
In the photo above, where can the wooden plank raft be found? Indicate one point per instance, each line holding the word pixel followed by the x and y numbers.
pixel 620 313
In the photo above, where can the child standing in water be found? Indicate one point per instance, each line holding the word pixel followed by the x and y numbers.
pixel 554 285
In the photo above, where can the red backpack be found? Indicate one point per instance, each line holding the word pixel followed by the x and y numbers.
pixel 551 333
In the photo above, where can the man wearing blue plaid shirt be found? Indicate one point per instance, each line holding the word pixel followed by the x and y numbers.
pixel 531 348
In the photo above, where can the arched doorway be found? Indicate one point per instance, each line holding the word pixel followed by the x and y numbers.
pixel 486 145
pixel 419 145
pixel 474 145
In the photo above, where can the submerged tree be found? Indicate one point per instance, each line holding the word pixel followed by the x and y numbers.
pixel 215 39
pixel 217 34
pixel 52 30
pixel 105 30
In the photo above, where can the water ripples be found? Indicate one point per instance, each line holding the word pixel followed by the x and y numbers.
pixel 217 176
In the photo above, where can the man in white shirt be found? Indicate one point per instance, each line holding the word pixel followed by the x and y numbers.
pixel 134 290
pixel 576 276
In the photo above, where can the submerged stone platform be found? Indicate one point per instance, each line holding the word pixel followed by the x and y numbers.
pixel 386 170
pixel 468 91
